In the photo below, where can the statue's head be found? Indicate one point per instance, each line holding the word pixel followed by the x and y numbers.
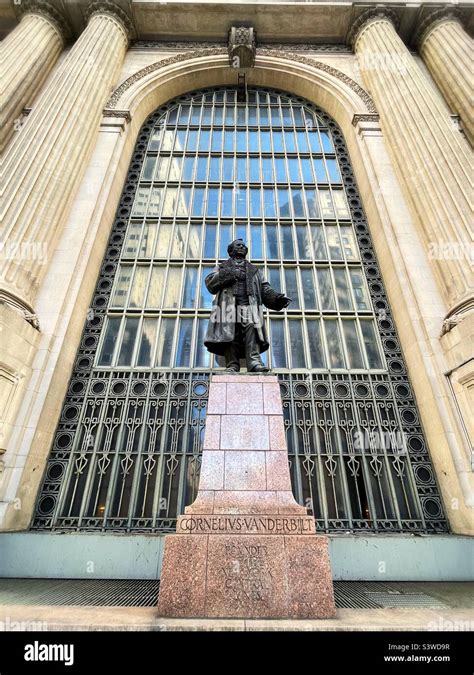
pixel 237 249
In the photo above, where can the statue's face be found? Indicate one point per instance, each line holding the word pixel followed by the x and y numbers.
pixel 239 250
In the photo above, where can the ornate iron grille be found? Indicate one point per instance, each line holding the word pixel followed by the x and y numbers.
pixel 126 453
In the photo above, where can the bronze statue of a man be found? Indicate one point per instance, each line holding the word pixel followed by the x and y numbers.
pixel 236 325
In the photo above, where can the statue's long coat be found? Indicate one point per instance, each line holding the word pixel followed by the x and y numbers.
pixel 221 283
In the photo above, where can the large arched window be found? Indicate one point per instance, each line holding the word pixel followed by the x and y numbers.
pixel 275 171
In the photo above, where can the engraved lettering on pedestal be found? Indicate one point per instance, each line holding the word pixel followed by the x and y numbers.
pixel 247 573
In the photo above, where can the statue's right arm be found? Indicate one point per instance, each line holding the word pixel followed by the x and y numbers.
pixel 219 279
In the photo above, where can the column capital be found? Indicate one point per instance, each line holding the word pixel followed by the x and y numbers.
pixel 48 11
pixel 372 15
pixel 116 11
pixel 434 19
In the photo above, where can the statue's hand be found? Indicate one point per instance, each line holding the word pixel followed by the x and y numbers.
pixel 286 301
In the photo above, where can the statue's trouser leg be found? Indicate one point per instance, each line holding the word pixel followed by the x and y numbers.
pixel 232 355
pixel 252 351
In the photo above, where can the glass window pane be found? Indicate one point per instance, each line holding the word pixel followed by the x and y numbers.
pixel 225 239
pixel 229 140
pixel 194 241
pixel 242 170
pixel 298 206
pixel 294 171
pixel 316 351
pixel 191 145
pixel 327 209
pixel 190 287
pixel 217 135
pixel 263 116
pixel 241 199
pixel 163 241
pixel 256 249
pixel 333 339
pixel 335 251
pixel 241 232
pixel 319 244
pixel 254 164
pixel 292 287
pixel 165 342
pixel 137 292
pixel 205 300
pixel 155 289
pixel 162 168
pixel 147 343
pixel 352 344
pixel 179 241
pixel 201 358
pixel 283 203
pixel 110 340
pixel 276 120
pixel 280 170
pixel 184 113
pixel 180 141
pixel 306 171
pixel 288 250
pixel 148 240
pixel 267 170
pixel 302 140
pixel 255 207
pixel 252 115
pixel 325 288
pixel 314 141
pixel 188 168
pixel 278 343
pixel 183 350
pixel 229 116
pixel 140 202
pixel 320 171
pixel 198 202
pixel 128 342
pixel 184 202
pixel 241 140
pixel 342 290
pixel 228 169
pixel 272 242
pixel 206 115
pixel 273 274
pixel 210 241
pixel 212 201
pixel 148 168
pixel 241 116
pixel 169 202
pixel 309 288
pixel 155 202
pixel 196 114
pixel 298 116
pixel 359 289
pixel 204 141
pixel 132 239
pixel 218 115
pixel 371 347
pixel 296 344
pixel 173 287
pixel 201 169
pixel 269 203
pixel 312 202
pixel 253 141
pixel 340 203
pixel 290 141
pixel 278 141
pixel 333 170
pixel 287 118
pixel 326 142
pixel 304 242
pixel 265 141
pixel 349 243
pixel 227 208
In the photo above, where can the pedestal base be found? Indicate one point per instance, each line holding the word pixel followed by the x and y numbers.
pixel 253 576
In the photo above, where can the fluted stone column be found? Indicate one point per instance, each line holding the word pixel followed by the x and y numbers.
pixel 432 158
pixel 27 56
pixel 448 52
pixel 45 162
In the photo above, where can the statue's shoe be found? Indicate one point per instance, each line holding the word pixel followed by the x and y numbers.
pixel 232 370
pixel 259 368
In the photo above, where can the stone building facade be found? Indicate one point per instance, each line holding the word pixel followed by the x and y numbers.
pixel 86 86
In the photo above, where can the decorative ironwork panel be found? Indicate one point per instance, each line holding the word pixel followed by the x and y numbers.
pixel 275 171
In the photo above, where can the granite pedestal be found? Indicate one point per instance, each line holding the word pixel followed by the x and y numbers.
pixel 245 547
